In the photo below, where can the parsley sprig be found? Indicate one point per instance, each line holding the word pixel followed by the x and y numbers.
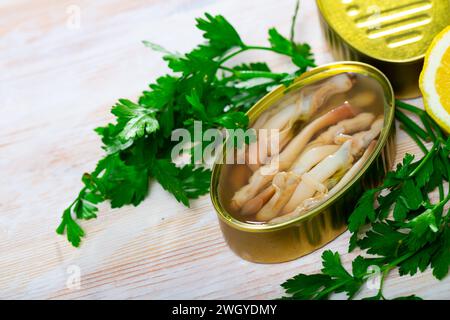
pixel 396 224
pixel 204 86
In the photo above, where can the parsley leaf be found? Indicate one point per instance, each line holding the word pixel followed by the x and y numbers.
pixel 184 183
pixel 133 122
pixel 364 209
pixel 73 229
pixel 121 183
pixel 383 240
pixel 219 32
pixel 440 261
pixel 333 279
pixel 137 120
pixel 300 53
pixel 307 287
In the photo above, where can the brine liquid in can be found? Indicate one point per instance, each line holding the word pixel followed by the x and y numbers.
pixel 321 145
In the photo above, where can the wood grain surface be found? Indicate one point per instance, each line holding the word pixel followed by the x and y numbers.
pixel 57 83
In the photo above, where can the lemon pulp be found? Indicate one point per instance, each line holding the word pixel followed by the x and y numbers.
pixel 443 80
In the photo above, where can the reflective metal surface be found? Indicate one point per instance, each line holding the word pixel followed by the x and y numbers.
pixel 391 35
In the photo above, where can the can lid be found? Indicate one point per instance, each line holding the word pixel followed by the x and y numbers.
pixel 389 30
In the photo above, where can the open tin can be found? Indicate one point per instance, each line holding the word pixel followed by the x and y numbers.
pixel 288 240
pixel 390 35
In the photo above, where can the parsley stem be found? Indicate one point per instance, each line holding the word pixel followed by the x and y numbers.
pixel 442 203
pixel 397 261
pixel 406 106
pixel 444 159
pixel 263 48
pixel 407 122
pixel 246 48
pixel 386 269
pixel 424 160
pixel 243 49
pixel 232 55
pixel 248 74
pixel 441 191
pixel 436 128
pixel 294 20
pixel 415 138
pixel 331 289
pixel 383 277
pixel 78 198
pixel 426 124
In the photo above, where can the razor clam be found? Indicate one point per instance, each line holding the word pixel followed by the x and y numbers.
pixel 284 160
pixel 283 117
pixel 307 205
pixel 284 184
pixel 312 181
pixel 358 142
pixel 306 161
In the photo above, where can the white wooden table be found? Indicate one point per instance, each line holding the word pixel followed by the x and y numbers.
pixel 57 83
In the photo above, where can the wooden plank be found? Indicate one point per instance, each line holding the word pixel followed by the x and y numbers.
pixel 57 84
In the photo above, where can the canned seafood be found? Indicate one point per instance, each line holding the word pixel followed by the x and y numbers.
pixel 268 232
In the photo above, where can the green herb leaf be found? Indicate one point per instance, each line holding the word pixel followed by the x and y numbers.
pixel 166 173
pixel 307 287
pixel 194 181
pixel 364 210
pixel 219 32
pixel 382 240
pixel 122 184
pixel 300 53
pixel 71 228
pixel 334 279
pixel 133 122
pixel 441 259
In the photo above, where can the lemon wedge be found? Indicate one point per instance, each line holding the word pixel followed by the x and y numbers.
pixel 434 80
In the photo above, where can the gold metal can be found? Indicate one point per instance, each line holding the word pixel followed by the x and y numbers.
pixel 273 243
pixel 392 35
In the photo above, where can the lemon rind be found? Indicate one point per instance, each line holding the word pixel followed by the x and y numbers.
pixel 427 79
